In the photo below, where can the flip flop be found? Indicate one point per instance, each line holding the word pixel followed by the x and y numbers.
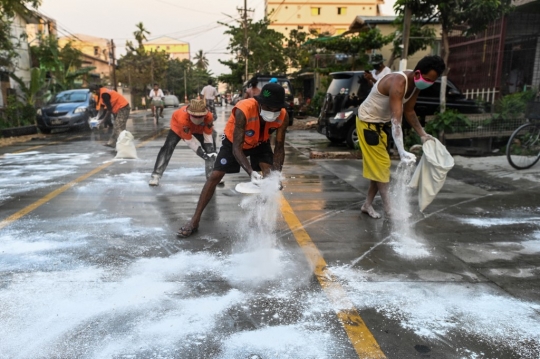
pixel 184 233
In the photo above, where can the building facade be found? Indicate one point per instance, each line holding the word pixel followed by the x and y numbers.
pixel 322 16
pixel 175 48
pixel 97 52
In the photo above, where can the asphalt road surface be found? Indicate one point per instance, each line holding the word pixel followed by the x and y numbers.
pixel 90 266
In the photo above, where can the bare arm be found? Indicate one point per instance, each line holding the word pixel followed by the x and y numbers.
pixel 279 149
pixel 238 141
pixel 412 119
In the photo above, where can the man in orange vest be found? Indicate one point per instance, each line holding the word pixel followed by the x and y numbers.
pixel 247 134
pixel 193 124
pixel 111 102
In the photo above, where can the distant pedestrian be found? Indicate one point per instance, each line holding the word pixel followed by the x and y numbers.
pixel 193 124
pixel 111 102
pixel 252 90
pixel 379 70
pixel 390 98
pixel 209 93
pixel 157 96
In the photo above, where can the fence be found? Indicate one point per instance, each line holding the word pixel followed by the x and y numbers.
pixel 485 94
pixel 482 126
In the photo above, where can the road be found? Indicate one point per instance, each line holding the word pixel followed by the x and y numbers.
pixel 91 267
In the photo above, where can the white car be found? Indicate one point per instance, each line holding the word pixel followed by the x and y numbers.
pixel 171 100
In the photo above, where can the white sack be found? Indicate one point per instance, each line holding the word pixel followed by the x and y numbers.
pixel 430 173
pixel 125 146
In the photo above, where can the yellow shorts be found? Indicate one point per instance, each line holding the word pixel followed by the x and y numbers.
pixel 376 160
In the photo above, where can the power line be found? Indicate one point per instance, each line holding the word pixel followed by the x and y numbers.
pixel 186 8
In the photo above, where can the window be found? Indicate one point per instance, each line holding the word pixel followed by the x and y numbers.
pixel 315 11
pixel 96 51
pixel 342 11
pixel 168 47
pixel 340 31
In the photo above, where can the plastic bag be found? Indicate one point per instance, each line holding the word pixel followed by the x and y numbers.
pixel 430 175
pixel 125 146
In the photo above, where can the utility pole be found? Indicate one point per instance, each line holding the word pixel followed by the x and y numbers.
pixel 243 12
pixel 185 88
pixel 113 65
pixel 405 37
pixel 245 37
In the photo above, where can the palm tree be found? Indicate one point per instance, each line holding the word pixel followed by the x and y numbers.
pixel 140 34
pixel 201 62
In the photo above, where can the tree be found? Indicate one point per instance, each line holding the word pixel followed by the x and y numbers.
pixel 201 62
pixel 467 16
pixel 264 50
pixel 62 65
pixel 297 55
pixel 354 45
pixel 140 34
pixel 420 37
pixel 9 44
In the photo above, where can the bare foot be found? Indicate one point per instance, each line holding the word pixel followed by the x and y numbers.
pixel 370 211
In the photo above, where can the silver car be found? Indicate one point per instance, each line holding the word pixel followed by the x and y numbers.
pixel 171 100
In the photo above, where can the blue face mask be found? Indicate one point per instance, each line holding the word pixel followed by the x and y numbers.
pixel 422 83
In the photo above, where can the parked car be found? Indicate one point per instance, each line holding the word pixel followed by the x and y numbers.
pixel 68 109
pixel 283 81
pixel 171 101
pixel 337 120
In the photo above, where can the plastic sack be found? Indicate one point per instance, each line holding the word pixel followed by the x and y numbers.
pixel 430 174
pixel 125 146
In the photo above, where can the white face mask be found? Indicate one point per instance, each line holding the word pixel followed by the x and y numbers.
pixel 196 120
pixel 269 116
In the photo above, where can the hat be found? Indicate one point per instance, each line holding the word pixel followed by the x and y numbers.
pixel 376 59
pixel 94 87
pixel 273 80
pixel 197 108
pixel 272 95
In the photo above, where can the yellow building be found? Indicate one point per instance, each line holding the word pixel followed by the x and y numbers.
pixel 95 47
pixel 323 16
pixel 175 48
pixel 96 52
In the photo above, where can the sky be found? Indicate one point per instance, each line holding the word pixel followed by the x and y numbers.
pixel 190 21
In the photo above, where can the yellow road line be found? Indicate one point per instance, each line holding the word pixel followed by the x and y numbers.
pixel 23 212
pixel 359 334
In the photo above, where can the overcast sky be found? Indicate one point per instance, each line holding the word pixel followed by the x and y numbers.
pixel 191 21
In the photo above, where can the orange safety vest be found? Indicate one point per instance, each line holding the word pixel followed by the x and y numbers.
pixel 184 128
pixel 117 101
pixel 252 135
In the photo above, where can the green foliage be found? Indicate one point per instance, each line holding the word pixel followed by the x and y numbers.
pixel 264 48
pixel 140 34
pixel 36 88
pixel 513 105
pixel 9 43
pixel 447 122
pixel 201 62
pixel 18 113
pixel 62 65
pixel 315 106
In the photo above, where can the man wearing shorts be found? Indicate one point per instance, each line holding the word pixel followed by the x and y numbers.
pixel 156 98
pixel 209 93
pixel 193 124
pixel 390 98
pixel 247 134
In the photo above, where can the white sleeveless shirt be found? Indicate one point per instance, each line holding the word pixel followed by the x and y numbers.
pixel 376 107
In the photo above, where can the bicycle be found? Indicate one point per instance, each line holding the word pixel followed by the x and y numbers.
pixel 156 105
pixel 523 149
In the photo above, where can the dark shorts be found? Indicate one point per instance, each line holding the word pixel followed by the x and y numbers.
pixel 226 162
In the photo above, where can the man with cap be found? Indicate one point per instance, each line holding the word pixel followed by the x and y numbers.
pixel 193 124
pixel 247 134
pixel 111 102
pixel 379 69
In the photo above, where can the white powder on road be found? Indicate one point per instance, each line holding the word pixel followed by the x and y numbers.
pixel 404 239
pixel 438 310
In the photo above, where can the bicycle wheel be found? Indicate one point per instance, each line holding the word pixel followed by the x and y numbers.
pixel 523 149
